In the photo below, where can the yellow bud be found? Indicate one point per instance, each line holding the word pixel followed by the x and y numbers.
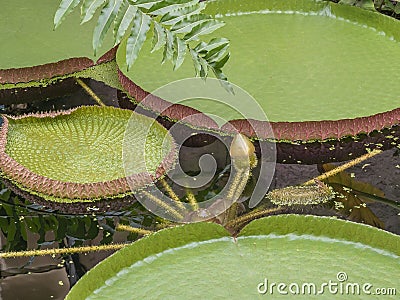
pixel 241 147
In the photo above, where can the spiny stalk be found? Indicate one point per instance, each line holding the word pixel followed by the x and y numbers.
pixel 58 251
pixel 173 212
pixel 192 200
pixel 255 214
pixel 89 91
pixel 172 194
pixel 343 167
pixel 141 231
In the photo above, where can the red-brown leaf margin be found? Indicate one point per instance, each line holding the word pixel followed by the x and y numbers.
pixel 20 175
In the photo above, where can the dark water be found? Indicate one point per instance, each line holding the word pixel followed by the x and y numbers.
pixel 28 225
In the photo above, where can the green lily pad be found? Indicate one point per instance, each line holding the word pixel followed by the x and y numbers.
pixel 202 261
pixel 29 40
pixel 76 155
pixel 314 64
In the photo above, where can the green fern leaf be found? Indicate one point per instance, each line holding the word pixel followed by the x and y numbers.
pixel 187 24
pixel 159 39
pixel 214 43
pixel 174 16
pixel 141 24
pixel 216 53
pixel 196 62
pixel 202 29
pixel 163 7
pixel 66 7
pixel 144 3
pixel 169 46
pixel 221 63
pixel 124 18
pixel 88 9
pixel 171 20
pixel 179 52
pixel 107 16
pixel 223 80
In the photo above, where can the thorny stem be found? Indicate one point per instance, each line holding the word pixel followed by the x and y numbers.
pixel 57 251
pixel 343 167
pixel 141 231
pixel 251 216
pixel 172 194
pixel 192 200
pixel 90 92
pixel 164 205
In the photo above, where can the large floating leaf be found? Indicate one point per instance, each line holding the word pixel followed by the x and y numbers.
pixel 303 61
pixel 29 39
pixel 201 261
pixel 77 155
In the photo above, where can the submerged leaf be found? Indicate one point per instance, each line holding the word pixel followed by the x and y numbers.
pixel 141 24
pixel 345 179
pixel 353 204
pixel 66 7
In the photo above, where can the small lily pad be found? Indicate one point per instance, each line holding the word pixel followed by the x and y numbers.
pixel 76 155
pixel 202 261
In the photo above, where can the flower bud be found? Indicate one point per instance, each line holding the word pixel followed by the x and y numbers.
pixel 241 147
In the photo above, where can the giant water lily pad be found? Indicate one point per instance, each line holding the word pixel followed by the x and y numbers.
pixel 319 70
pixel 77 155
pixel 202 261
pixel 32 50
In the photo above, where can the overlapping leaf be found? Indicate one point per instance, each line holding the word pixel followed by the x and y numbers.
pixel 175 23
